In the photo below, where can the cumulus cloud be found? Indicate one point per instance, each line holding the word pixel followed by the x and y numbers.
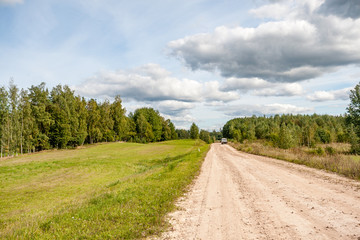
pixel 179 120
pixel 147 83
pixel 302 46
pixel 10 2
pixel 153 83
pixel 175 108
pixel 244 84
pixel 261 87
pixel 284 90
pixel 341 8
pixel 322 96
pixel 275 11
pixel 269 109
pixel 212 92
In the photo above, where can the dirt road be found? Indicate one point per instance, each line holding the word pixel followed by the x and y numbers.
pixel 242 196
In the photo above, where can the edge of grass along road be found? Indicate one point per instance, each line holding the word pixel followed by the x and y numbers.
pixel 107 191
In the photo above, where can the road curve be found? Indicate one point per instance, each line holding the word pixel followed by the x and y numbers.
pixel 242 196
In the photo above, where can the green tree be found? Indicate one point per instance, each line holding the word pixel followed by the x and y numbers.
pixel 354 140
pixel 80 133
pixel 354 108
pixel 174 134
pixel 106 122
pixel 4 115
pixel 194 131
pixel 144 129
pixel 14 124
pixel 121 127
pixel 205 136
pixel 166 131
pixel 93 121
pixel 285 138
pixel 183 134
pixel 27 122
pixel 60 130
pixel 40 104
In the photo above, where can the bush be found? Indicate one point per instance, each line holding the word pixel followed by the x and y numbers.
pixel 320 151
pixel 330 150
pixel 355 149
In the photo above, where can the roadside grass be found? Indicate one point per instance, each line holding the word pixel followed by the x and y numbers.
pixel 107 191
pixel 331 157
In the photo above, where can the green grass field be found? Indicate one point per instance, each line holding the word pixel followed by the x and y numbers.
pixel 107 191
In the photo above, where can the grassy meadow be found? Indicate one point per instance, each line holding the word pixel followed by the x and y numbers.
pixel 106 191
pixel 333 157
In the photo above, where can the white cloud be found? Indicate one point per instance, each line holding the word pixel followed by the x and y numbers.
pixel 290 89
pixel 178 120
pixel 275 11
pixel 261 87
pixel 152 83
pixel 147 83
pixel 173 107
pixel 302 46
pixel 268 109
pixel 212 92
pixel 244 84
pixel 11 2
pixel 322 96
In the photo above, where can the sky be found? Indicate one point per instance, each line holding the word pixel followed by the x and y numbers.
pixel 201 61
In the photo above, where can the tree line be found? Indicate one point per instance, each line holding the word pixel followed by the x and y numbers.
pixel 36 119
pixel 287 131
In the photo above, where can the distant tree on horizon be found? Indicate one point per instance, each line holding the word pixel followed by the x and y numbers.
pixel 194 131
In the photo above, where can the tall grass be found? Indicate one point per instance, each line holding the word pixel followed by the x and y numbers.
pixel 110 191
pixel 332 157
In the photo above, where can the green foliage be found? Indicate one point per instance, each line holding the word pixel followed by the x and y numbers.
pixel 183 134
pixel 353 119
pixel 194 131
pixel 330 150
pixel 288 131
pixel 285 137
pixel 205 136
pixel 319 151
pixel 37 119
pixel 354 107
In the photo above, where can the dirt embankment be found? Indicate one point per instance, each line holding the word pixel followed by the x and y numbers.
pixel 242 196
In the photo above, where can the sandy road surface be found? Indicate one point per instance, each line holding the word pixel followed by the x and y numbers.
pixel 241 196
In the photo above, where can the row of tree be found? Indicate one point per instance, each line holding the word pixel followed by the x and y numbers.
pixel 288 131
pixel 36 119
pixel 194 133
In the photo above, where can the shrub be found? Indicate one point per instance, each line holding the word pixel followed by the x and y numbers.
pixel 330 150
pixel 355 149
pixel 320 151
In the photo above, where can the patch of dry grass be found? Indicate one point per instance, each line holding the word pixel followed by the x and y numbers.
pixel 332 157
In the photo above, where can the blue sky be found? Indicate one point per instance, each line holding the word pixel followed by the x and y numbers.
pixel 198 60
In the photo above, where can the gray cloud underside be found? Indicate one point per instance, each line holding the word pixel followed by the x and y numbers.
pixel 341 8
pixel 175 108
pixel 290 50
